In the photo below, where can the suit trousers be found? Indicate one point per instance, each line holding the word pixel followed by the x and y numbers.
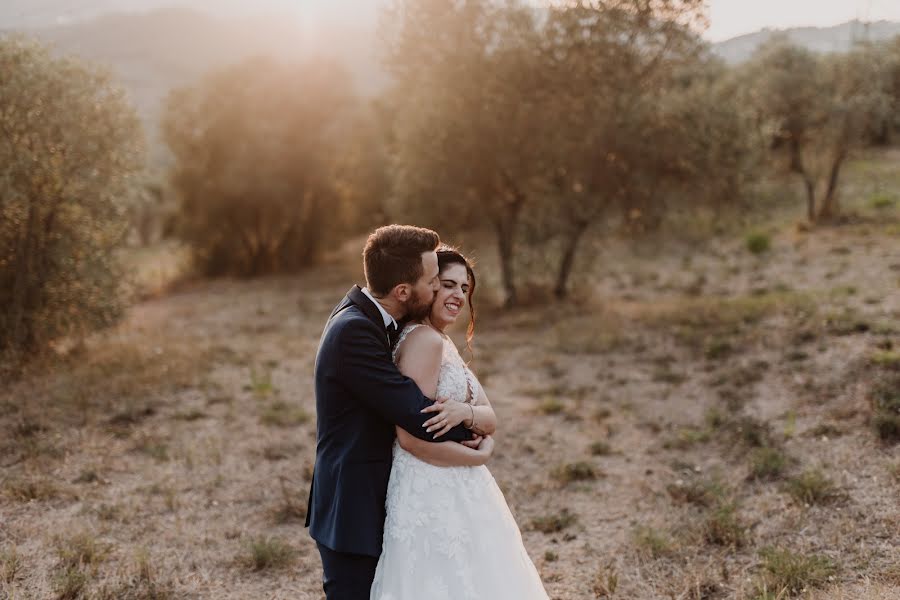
pixel 346 576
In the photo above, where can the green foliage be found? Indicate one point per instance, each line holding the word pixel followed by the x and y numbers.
pixel 10 565
pixel 817 109
pixel 887 358
pixel 767 463
pixel 718 349
pixel 687 437
pixel 70 584
pixel 788 573
pixel 80 550
pixel 882 201
pixel 601 449
pixel 551 406
pixel 704 493
pixel 579 471
pixel 758 242
pixel 653 542
pixel 886 403
pixel 282 414
pixel 69 155
pixel 554 523
pixel 541 127
pixel 606 582
pixel 812 487
pixel 264 553
pixel 723 527
pixel 259 164
pixel 467 117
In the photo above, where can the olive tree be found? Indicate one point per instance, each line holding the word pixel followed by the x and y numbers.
pixel 467 96
pixel 70 154
pixel 257 148
pixel 818 110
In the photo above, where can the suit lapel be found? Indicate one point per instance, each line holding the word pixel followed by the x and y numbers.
pixel 356 296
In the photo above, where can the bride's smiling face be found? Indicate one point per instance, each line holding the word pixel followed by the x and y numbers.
pixel 450 299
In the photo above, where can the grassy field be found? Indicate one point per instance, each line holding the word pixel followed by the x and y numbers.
pixel 703 421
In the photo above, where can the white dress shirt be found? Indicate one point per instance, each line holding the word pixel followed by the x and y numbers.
pixel 388 319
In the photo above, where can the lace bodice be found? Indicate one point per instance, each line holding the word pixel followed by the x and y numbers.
pixel 456 381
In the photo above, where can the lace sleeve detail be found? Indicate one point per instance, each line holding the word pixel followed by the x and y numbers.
pixel 406 331
pixel 473 385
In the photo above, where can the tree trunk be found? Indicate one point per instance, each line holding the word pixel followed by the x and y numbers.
pixel 22 280
pixel 798 167
pixel 506 225
pixel 810 198
pixel 505 245
pixel 829 208
pixel 568 260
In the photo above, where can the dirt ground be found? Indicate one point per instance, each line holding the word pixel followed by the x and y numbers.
pixel 653 432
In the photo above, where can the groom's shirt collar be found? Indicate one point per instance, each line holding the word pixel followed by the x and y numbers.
pixel 385 315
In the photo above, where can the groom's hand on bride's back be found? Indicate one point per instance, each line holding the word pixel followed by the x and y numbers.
pixel 484 446
pixel 474 443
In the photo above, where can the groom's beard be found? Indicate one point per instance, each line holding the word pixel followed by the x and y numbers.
pixel 417 308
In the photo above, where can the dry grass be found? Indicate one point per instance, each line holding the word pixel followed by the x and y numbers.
pixel 170 458
pixel 786 573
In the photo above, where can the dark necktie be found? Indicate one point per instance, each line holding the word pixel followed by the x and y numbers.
pixel 393 334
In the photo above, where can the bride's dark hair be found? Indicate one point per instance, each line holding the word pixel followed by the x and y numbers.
pixel 447 255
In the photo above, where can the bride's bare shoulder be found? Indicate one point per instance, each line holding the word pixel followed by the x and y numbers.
pixel 422 339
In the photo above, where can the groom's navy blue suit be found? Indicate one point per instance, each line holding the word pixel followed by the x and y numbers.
pixel 360 397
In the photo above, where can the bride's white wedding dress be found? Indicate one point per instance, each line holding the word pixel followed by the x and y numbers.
pixel 449 534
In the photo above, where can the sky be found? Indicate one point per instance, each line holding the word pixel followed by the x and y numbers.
pixel 728 18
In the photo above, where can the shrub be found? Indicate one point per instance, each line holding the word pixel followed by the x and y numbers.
pixel 723 527
pixel 265 553
pixel 266 204
pixel 758 242
pixel 789 573
pixel 653 542
pixel 767 463
pixel 601 449
pixel 886 408
pixel 718 349
pixel 606 582
pixel 65 193
pixel 554 523
pixel 812 487
pixel 551 406
pixel 705 493
pixel 882 201
pixel 282 414
pixel 579 471
pixel 687 437
pixel 10 565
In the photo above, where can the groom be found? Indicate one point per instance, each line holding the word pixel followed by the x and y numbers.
pixel 360 397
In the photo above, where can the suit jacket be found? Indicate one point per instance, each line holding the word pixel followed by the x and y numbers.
pixel 360 397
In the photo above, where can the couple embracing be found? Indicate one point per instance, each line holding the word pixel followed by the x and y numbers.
pixel 401 505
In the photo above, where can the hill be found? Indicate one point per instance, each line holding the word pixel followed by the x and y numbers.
pixel 839 38
pixel 154 52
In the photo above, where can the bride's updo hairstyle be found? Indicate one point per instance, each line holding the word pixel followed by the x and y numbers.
pixel 447 256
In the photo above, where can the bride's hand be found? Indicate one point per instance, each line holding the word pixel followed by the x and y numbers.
pixel 450 413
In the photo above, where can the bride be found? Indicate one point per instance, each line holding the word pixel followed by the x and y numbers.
pixel 448 532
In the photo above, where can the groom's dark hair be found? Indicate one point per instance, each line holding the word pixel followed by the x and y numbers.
pixel 393 255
